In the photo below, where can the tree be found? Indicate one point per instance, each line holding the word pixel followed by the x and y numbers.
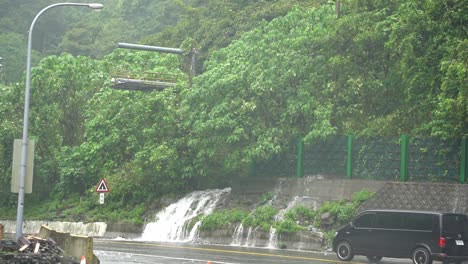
pixel 215 24
pixel 265 89
pixel 428 39
pixel 10 128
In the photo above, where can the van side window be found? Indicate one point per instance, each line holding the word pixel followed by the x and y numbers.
pixel 388 220
pixel 364 221
pixel 418 221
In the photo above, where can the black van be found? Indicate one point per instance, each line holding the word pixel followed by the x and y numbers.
pixel 421 236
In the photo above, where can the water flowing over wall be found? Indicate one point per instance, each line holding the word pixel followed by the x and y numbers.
pixel 284 199
pixel 177 222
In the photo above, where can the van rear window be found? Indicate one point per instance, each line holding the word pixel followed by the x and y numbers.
pixel 454 224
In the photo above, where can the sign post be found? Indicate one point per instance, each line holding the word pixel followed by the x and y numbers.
pixel 102 188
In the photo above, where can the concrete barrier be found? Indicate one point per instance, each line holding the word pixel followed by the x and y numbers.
pixel 73 245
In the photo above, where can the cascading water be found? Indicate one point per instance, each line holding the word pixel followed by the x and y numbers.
pixel 172 223
pixel 237 235
pixel 273 240
pixel 251 237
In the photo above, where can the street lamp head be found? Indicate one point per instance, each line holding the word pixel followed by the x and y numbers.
pixel 96 6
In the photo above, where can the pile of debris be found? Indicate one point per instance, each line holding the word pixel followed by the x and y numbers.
pixel 32 249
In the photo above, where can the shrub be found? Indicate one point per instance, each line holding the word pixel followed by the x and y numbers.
pixel 301 214
pixel 266 197
pixel 262 217
pixel 288 226
pixel 222 219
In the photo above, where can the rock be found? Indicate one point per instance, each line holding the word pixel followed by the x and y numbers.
pixel 327 219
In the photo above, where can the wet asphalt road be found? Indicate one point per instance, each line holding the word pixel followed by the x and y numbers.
pixel 125 251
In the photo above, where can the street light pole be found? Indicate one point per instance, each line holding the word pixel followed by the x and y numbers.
pixel 24 146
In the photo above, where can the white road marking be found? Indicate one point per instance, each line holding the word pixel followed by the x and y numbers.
pixel 98 252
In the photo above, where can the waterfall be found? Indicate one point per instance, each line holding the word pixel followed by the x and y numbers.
pixel 237 235
pixel 251 237
pixel 273 240
pixel 175 223
pixel 273 235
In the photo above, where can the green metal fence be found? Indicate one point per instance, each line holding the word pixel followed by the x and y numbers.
pixel 378 158
pixel 327 156
pixel 433 159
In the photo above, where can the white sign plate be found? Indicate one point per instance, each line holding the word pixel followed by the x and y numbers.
pixel 101 198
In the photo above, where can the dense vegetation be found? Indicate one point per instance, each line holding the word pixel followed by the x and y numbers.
pixel 272 71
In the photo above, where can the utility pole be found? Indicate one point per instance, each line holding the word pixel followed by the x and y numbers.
pixel 337 8
pixel 1 72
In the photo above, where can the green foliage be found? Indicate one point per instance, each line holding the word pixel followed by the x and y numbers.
pixel 215 24
pixel 265 197
pixel 288 226
pixel 296 219
pixel 329 235
pixel 344 210
pixel 13 54
pixel 262 217
pixel 273 71
pixel 77 30
pixel 360 197
pixel 191 223
pixel 222 219
pixel 9 130
pixel 301 214
pixel 228 110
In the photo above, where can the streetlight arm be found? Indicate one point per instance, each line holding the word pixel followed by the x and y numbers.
pixel 28 63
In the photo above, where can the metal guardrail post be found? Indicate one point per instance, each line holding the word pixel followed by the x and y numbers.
pixel 404 158
pixel 299 169
pixel 464 160
pixel 349 161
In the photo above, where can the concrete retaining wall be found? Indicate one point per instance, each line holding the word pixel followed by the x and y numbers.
pixel 443 197
pixel 96 229
pixel 73 245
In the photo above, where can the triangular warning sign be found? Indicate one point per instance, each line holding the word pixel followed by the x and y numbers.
pixel 102 186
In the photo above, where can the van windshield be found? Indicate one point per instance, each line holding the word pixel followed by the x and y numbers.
pixel 454 224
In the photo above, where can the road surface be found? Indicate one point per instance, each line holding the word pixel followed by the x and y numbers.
pixel 125 251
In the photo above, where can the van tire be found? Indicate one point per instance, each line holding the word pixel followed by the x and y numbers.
pixel 374 259
pixel 421 256
pixel 344 251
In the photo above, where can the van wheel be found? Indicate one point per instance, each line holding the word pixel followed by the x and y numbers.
pixel 374 259
pixel 344 251
pixel 421 256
